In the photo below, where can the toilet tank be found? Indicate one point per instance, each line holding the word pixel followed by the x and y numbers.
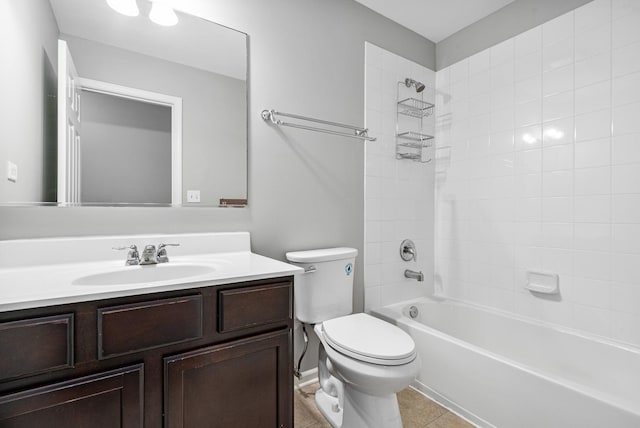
pixel 325 290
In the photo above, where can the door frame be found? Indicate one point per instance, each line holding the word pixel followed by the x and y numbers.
pixel 175 103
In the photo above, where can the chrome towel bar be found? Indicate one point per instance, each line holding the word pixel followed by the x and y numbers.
pixel 360 133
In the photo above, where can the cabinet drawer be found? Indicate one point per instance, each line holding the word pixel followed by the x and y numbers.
pixel 35 345
pixel 247 307
pixel 139 326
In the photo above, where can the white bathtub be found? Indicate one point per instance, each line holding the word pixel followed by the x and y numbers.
pixel 498 370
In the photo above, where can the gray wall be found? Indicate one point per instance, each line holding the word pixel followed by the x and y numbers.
pixel 126 150
pixel 214 109
pixel 513 19
pixel 306 190
pixel 29 50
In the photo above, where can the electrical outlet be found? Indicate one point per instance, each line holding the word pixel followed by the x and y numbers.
pixel 12 171
pixel 193 196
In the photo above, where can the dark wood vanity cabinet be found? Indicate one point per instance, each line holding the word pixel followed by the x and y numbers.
pixel 218 356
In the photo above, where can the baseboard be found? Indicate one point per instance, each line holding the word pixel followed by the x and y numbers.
pixel 308 377
pixel 450 405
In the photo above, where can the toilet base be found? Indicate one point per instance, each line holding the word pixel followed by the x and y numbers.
pixel 360 410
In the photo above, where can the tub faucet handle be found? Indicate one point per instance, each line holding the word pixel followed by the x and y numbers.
pixel 408 251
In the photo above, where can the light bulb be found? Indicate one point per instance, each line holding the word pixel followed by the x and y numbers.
pixel 125 7
pixel 162 14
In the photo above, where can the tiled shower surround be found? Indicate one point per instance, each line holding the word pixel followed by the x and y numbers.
pixel 399 194
pixel 538 168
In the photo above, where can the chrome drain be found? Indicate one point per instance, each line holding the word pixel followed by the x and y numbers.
pixel 413 311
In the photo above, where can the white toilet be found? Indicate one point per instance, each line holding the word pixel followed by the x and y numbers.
pixel 363 361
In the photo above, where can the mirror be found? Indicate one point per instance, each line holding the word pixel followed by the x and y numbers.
pixel 153 115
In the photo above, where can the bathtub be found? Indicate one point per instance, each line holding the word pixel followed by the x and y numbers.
pixel 498 370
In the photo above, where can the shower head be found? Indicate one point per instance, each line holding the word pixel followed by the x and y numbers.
pixel 418 85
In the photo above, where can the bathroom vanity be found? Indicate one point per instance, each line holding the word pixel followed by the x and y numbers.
pixel 211 349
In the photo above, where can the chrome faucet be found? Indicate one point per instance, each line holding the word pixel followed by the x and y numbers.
pixel 133 258
pixel 148 255
pixel 408 273
pixel 162 256
pixel 151 256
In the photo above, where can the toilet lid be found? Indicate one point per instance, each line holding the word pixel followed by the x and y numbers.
pixel 369 339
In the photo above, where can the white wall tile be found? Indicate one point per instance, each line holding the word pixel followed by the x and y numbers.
pixel 592 181
pixel 592 236
pixel 528 89
pixel 480 62
pixel 593 153
pixel 557 29
pixel 558 54
pixel 593 126
pixel 592 70
pixel 557 209
pixel 625 119
pixel 592 265
pixel 558 131
pixel 625 238
pixel 626 89
pixel 557 106
pixel 592 14
pixel 528 42
pixel 591 41
pixel 593 97
pixel 557 157
pixel 528 113
pixel 626 178
pixel 557 80
pixel 528 161
pixel 625 298
pixel 528 66
pixel 626 149
pixel 528 137
pixel 592 209
pixel 625 208
pixel 626 30
pixel 556 175
pixel 622 8
pixel 626 59
pixel 502 52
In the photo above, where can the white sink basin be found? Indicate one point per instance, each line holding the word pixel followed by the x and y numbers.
pixel 145 274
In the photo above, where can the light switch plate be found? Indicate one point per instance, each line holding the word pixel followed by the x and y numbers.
pixel 12 171
pixel 193 196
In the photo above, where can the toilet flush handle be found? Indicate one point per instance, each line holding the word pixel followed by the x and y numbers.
pixel 310 269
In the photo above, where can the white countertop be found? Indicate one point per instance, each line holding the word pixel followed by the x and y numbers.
pixel 31 285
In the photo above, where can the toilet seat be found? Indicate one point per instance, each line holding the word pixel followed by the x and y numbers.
pixel 369 339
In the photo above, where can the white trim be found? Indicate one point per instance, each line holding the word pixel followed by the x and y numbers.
pixel 153 98
pixel 308 377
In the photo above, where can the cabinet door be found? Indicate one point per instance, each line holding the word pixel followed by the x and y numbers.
pixel 247 383
pixel 110 400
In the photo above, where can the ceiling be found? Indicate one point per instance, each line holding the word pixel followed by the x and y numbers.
pixel 435 19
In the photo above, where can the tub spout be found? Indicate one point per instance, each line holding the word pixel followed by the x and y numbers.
pixel 408 273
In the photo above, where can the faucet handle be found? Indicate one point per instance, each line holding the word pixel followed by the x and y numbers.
pixel 133 257
pixel 162 256
pixel 408 251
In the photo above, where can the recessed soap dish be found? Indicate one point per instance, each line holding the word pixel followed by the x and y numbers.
pixel 543 282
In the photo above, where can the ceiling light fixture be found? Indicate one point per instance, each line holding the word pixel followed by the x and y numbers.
pixel 125 7
pixel 162 14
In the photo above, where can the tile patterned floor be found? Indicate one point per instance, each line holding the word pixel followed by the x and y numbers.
pixel 417 411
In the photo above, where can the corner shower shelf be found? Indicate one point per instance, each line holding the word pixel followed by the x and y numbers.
pixel 415 108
